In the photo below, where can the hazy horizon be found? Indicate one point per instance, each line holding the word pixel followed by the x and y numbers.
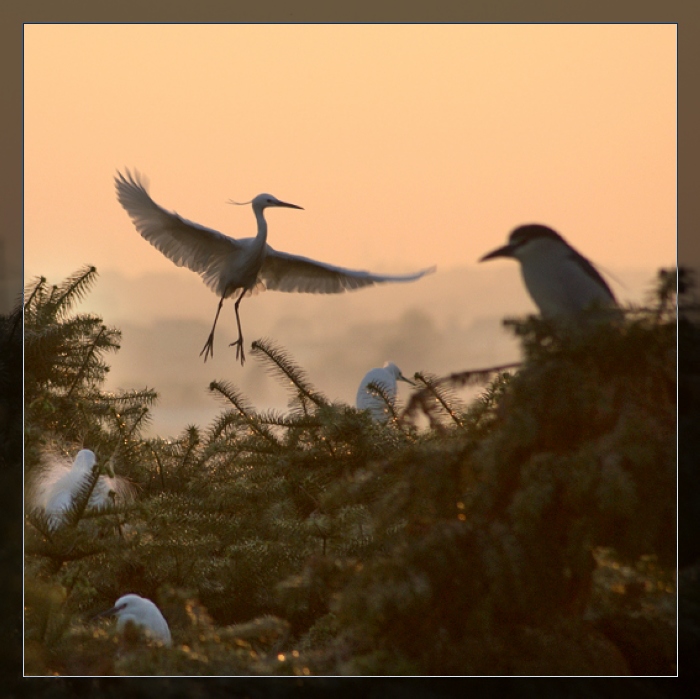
pixel 446 322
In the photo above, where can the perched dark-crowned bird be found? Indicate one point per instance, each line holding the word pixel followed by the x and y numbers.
pixel 560 280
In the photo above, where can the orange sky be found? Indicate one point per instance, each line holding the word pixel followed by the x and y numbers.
pixel 407 145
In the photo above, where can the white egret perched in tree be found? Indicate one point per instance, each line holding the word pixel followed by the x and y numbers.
pixel 143 614
pixel 244 265
pixel 560 280
pixel 385 378
pixel 59 482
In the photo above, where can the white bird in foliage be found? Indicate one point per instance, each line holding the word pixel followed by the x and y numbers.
pixel 560 280
pixel 385 378
pixel 59 483
pixel 229 265
pixel 142 613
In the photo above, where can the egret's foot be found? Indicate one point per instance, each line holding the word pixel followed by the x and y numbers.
pixel 238 344
pixel 208 349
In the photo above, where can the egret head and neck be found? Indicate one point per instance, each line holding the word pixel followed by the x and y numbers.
pixel 396 373
pixel 141 612
pixel 260 203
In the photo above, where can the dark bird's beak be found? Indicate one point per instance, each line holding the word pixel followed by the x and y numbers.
pixel 291 206
pixel 401 377
pixel 505 251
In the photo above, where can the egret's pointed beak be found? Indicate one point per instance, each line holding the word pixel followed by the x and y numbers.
pixel 401 377
pixel 107 612
pixel 290 206
pixel 505 251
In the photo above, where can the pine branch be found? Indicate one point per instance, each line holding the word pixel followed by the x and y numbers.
pixel 88 356
pixel 52 296
pixel 124 401
pixel 421 400
pixel 60 554
pixel 35 293
pixel 279 363
pixel 38 518
pixel 380 391
pixel 276 419
pixel 159 463
pixel 81 498
pixel 74 289
pixel 443 396
pixel 139 414
pixel 222 422
pixel 193 440
pixel 246 411
pixel 233 396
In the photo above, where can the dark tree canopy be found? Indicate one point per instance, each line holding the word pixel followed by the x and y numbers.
pixel 529 532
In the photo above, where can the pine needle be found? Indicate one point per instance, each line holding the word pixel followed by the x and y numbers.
pixel 74 289
pixel 245 410
pixel 424 399
pixel 280 364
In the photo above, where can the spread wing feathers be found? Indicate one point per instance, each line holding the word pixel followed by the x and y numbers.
pixel 284 272
pixel 212 254
pixel 187 244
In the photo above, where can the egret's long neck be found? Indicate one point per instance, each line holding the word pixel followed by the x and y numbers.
pixel 261 237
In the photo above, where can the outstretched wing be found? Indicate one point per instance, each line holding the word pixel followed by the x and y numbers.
pixel 284 272
pixel 187 244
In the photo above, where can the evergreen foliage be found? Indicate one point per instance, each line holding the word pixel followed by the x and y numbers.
pixel 64 368
pixel 531 531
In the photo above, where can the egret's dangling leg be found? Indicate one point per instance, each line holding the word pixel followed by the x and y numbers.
pixel 208 349
pixel 239 342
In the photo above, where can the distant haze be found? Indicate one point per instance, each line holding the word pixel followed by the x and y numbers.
pixel 449 321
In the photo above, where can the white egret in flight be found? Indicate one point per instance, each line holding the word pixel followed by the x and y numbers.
pixel 59 482
pixel 142 613
pixel 560 280
pixel 384 377
pixel 228 265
